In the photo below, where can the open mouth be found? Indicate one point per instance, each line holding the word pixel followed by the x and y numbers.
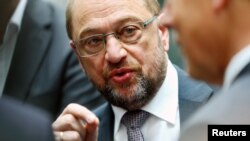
pixel 121 75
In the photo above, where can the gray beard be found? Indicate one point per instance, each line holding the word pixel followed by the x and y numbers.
pixel 142 93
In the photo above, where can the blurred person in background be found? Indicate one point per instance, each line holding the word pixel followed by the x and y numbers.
pixel 37 65
pixel 215 37
pixel 23 122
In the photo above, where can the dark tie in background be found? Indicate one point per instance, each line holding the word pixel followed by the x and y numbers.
pixel 133 120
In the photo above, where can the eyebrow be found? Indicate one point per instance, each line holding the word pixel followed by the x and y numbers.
pixel 91 30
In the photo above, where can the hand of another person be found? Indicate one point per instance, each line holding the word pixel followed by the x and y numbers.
pixel 76 123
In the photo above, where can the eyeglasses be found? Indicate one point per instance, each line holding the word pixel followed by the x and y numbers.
pixel 128 34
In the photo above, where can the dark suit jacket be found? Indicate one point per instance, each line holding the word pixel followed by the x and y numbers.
pixel 44 70
pixel 227 107
pixel 23 123
pixel 192 94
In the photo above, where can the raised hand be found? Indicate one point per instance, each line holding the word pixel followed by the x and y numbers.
pixel 76 123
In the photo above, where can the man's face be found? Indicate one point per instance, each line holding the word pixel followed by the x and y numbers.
pixel 200 34
pixel 127 74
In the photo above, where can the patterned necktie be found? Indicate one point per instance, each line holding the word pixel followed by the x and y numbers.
pixel 133 121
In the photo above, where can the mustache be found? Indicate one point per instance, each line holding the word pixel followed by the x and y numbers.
pixel 133 66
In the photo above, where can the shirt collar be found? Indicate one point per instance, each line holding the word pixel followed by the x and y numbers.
pixel 236 64
pixel 165 103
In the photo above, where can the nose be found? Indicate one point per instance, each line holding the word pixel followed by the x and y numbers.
pixel 166 17
pixel 114 50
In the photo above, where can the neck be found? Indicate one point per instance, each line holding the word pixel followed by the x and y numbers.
pixel 7 8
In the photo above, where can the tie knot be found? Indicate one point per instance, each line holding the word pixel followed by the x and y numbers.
pixel 134 119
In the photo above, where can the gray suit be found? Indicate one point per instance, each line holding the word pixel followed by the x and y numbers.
pixel 227 107
pixel 23 123
pixel 192 95
pixel 44 70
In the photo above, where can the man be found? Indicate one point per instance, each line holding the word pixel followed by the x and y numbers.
pixel 216 39
pixel 123 51
pixel 23 123
pixel 36 64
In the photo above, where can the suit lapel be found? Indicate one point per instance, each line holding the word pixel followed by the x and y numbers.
pixel 30 49
pixel 106 128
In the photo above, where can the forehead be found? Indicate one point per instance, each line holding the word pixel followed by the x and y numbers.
pixel 99 8
pixel 94 13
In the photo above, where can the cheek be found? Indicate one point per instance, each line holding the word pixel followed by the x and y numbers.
pixel 148 56
pixel 145 55
pixel 189 26
pixel 201 57
pixel 94 69
pixel 197 48
pixel 197 38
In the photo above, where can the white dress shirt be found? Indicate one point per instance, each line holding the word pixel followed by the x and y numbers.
pixel 163 123
pixel 9 41
pixel 236 64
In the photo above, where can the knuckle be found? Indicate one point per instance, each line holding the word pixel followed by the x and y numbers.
pixel 69 119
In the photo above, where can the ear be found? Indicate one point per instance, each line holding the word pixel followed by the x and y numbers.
pixel 219 5
pixel 72 45
pixel 163 31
